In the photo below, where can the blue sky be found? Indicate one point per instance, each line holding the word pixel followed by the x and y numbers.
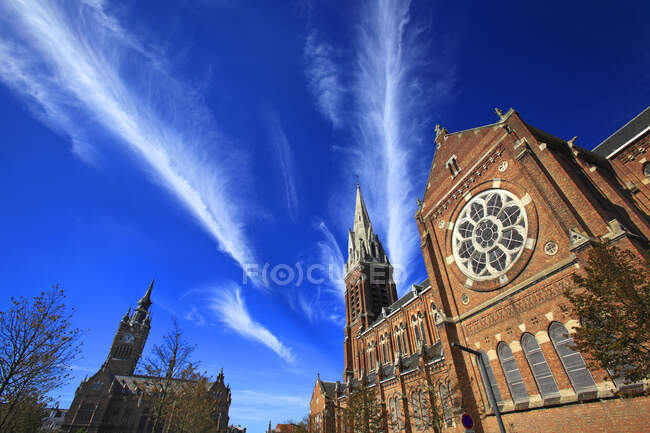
pixel 191 140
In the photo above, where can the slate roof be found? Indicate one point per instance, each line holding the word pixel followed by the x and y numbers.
pixel 434 353
pixel 408 296
pixel 387 371
pixel 410 363
pixel 624 134
pixel 145 384
pixel 544 136
pixel 329 388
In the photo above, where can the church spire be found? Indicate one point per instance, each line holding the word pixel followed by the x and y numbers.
pixel 361 218
pixel 141 312
pixel 363 243
pixel 145 301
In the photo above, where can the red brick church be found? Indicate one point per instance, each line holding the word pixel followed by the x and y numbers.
pixel 509 214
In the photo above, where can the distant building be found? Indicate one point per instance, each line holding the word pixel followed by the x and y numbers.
pixel 508 217
pixel 54 419
pixel 285 428
pixel 236 429
pixel 118 401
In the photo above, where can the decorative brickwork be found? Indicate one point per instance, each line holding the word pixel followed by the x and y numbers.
pixel 518 318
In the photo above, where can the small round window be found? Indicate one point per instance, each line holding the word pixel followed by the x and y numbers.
pixel 646 169
pixel 489 234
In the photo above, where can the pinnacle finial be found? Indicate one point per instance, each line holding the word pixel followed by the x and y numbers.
pixel 145 301
pixel 499 112
pixel 572 141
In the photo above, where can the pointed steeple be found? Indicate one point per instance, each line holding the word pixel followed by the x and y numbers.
pixel 145 301
pixel 363 243
pixel 141 313
pixel 361 218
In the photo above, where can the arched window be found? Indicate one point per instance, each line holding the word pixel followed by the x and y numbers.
pixel 572 361
pixel 541 371
pixel 421 322
pixel 445 400
pixel 403 337
pixel 490 377
pixel 399 341
pixel 417 409
pixel 393 414
pixel 512 374
pixel 415 329
pixel 384 350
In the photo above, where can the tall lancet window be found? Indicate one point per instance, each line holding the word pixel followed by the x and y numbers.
pixel 399 340
pixel 541 371
pixel 512 374
pixel 416 330
pixel 490 381
pixel 571 359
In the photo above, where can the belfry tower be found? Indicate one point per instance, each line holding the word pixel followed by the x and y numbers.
pixel 369 285
pixel 130 338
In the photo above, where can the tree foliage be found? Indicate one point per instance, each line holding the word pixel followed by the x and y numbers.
pixel 302 426
pixel 26 415
pixel 365 412
pixel 612 300
pixel 177 395
pixel 194 406
pixel 37 346
pixel 438 402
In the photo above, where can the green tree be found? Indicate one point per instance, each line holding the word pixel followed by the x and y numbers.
pixel 27 415
pixel 302 426
pixel 169 361
pixel 37 346
pixel 365 412
pixel 434 402
pixel 612 300
pixel 194 406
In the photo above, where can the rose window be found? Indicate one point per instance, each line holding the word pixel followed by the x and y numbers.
pixel 489 234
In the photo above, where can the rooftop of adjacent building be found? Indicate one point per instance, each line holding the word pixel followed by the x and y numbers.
pixel 416 290
pixel 624 135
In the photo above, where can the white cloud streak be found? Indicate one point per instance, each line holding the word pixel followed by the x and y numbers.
pixel 385 93
pixel 331 257
pixel 230 309
pixel 285 160
pixel 76 67
pixel 323 78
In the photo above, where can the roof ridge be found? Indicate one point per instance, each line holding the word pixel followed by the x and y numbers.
pixel 626 124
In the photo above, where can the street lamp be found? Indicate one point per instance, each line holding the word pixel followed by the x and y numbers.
pixel 486 379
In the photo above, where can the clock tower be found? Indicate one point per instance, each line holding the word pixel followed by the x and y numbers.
pixel 130 338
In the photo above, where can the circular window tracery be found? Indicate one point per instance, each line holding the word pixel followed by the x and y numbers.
pixel 489 234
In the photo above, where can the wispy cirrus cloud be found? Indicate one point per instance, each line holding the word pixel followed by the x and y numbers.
pixel 229 307
pixel 323 77
pixel 386 91
pixel 285 161
pixel 386 105
pixel 331 257
pixel 77 68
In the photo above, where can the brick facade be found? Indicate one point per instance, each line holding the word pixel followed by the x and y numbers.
pixel 508 216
